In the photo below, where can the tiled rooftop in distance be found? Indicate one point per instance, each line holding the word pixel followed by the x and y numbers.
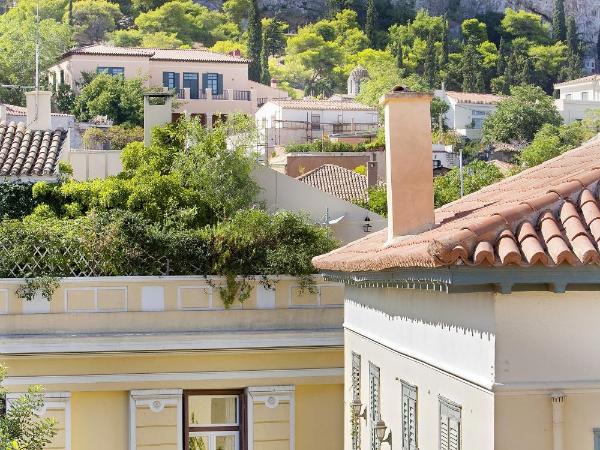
pixel 473 97
pixel 338 181
pixel 547 215
pixel 25 152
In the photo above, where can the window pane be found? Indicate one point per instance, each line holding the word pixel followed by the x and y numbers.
pixel 225 443
pixel 210 410
pixel 199 443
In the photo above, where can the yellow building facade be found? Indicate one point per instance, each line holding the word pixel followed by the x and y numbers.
pixel 157 363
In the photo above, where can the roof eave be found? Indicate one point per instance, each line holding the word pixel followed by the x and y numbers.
pixel 444 279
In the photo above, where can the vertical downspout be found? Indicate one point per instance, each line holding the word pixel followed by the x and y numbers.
pixel 558 401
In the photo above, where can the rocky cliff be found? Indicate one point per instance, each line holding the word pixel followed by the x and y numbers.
pixel 586 12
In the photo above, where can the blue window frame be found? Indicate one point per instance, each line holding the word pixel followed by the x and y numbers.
pixel 171 80
pixel 212 82
pixel 191 81
pixel 596 438
pixel 111 70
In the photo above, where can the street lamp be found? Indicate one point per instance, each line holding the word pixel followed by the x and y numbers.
pixel 356 406
pixel 380 429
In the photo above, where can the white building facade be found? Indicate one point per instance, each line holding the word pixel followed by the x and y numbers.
pixel 283 122
pixel 578 97
pixel 467 111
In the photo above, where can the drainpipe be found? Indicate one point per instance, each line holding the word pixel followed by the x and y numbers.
pixel 558 401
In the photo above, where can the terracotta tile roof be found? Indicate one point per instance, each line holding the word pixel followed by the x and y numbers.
pixel 15 110
pixel 547 215
pixel 157 54
pixel 595 77
pixel 25 152
pixel 472 97
pixel 315 104
pixel 338 181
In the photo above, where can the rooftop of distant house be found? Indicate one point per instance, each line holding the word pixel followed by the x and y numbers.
pixel 318 104
pixel 587 79
pixel 337 181
pixel 475 98
pixel 29 153
pixel 158 54
pixel 548 215
pixel 14 110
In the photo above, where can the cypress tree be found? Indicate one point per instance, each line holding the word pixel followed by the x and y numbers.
pixel 526 75
pixel 430 66
pixel 501 64
pixel 399 55
pixel 480 86
pixel 265 75
pixel 370 22
pixel 559 27
pixel 574 57
pixel 470 68
pixel 445 43
pixel 510 74
pixel 598 47
pixel 255 39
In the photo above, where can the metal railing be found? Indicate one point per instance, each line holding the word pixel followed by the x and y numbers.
pixel 261 101
pixel 181 94
pixel 241 95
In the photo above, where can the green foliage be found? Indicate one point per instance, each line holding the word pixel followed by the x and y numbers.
pixel 237 10
pixel 255 40
pixel 325 146
pixel 370 22
pixel 552 140
pixel 161 39
pixel 274 36
pixel 126 38
pixel 574 52
pixel 117 98
pixel 16 200
pixel 45 285
pixel 520 116
pixel 92 19
pixel 474 31
pixel 189 22
pixel 477 174
pixel 526 25
pixel 265 75
pixel 64 99
pixel 116 137
pixel 21 427
pixel 376 200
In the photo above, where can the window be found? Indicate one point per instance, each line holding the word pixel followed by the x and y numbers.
pixel 569 96
pixel 111 70
pixel 409 416
pixel 315 121
pixel 214 82
pixel 214 420
pixel 355 397
pixel 62 77
pixel 596 438
pixel 190 81
pixel 171 80
pixel 374 406
pixel 584 96
pixel 450 429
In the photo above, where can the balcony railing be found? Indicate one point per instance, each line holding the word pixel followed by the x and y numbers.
pixel 181 94
pixel 241 95
pixel 261 101
pixel 223 96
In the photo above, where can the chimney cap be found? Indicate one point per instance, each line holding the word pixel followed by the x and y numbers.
pixel 402 92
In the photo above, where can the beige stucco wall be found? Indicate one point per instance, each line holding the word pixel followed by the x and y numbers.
pixel 99 420
pixel 313 403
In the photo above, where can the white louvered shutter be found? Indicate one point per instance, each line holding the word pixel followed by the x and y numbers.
pixel 450 423
pixel 409 417
pixel 444 433
pixel 454 434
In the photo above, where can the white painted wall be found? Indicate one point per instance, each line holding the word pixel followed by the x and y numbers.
pixel 281 192
pixel 462 116
pixel 399 331
pixel 572 110
pixel 576 91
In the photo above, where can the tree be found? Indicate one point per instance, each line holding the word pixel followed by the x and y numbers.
pixel 574 51
pixel 274 36
pixel 474 31
pixel 525 25
pixel 113 96
pixel 477 175
pixel 471 68
pixel 255 40
pixel 237 10
pixel 161 39
pixel 445 44
pixel 370 22
pixel 559 27
pixel 64 98
pixel 430 66
pixel 21 427
pixel 189 21
pixel 399 55
pixel 518 117
pixel 147 5
pixel 126 38
pixel 598 47
pixel 265 75
pixel 92 19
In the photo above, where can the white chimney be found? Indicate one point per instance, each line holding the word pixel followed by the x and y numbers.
pixel 38 110
pixel 157 112
pixel 409 174
pixel 2 112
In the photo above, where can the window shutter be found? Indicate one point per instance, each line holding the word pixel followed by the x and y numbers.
pixel 204 82
pixel 405 422
pixel 165 79
pixel 409 416
pixel 219 84
pixel 454 434
pixel 176 79
pixel 444 433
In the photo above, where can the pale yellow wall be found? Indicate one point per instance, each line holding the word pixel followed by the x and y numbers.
pixel 59 441
pixel 271 426
pixel 100 420
pixel 319 417
pixel 581 416
pixel 523 422
pixel 156 430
